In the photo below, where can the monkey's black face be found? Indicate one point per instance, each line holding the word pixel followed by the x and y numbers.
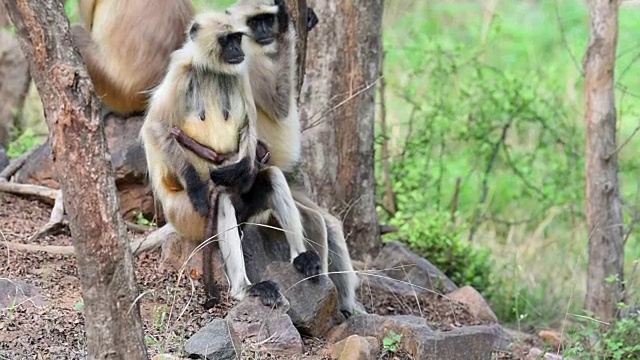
pixel 262 28
pixel 231 45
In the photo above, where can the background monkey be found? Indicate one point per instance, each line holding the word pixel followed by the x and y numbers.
pixel 206 94
pixel 273 81
pixel 126 46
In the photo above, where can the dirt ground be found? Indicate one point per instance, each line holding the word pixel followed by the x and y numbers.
pixel 170 309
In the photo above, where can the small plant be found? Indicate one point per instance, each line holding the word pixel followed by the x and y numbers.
pixel 79 305
pixel 390 342
pixel 621 340
pixel 160 317
pixel 141 220
pixel 12 309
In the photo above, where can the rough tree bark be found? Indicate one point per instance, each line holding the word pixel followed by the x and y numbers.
pixel 338 112
pixel 604 212
pixel 81 160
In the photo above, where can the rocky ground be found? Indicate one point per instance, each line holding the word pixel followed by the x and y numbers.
pixel 46 322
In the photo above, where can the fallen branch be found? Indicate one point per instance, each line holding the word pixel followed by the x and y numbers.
pixel 44 193
pixel 51 249
pixel 15 165
pixel 150 242
pixel 56 220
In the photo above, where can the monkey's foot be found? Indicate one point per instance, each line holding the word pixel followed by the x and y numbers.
pixel 267 291
pixel 308 263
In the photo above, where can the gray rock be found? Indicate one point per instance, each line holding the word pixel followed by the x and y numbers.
pixel 4 160
pixel 475 302
pixel 379 327
pixel 14 83
pixel 420 340
pixel 389 285
pixel 216 341
pixel 398 262
pixel 314 306
pixel 18 293
pixel 269 327
pixel 471 342
pixel 355 348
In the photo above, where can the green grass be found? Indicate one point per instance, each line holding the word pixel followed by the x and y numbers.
pixel 464 78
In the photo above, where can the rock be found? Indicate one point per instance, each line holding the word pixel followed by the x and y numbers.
pixel 398 262
pixel 217 340
pixel 18 293
pixel 471 342
pixel 271 327
pixel 378 327
pixel 551 337
pixel 476 303
pixel 165 357
pixel 508 337
pixel 314 306
pixel 261 246
pixel 420 340
pixel 537 354
pixel 4 160
pixel 14 83
pixel 128 161
pixel 355 348
pixel 387 284
pixel 177 252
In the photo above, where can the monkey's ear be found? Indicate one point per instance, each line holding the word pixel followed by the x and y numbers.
pixel 193 31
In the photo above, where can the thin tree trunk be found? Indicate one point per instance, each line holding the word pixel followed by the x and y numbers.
pixel 298 10
pixel 338 115
pixel 604 212
pixel 389 196
pixel 105 264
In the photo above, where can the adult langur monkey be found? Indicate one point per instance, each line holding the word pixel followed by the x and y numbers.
pixel 126 46
pixel 272 71
pixel 205 102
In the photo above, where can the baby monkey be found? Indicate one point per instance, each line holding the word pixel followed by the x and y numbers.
pixel 199 136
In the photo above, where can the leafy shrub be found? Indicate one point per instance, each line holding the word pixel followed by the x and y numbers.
pixel 431 235
pixel 620 341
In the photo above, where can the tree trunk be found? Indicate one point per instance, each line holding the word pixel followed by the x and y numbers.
pixel 105 264
pixel 604 212
pixel 338 112
pixel 298 9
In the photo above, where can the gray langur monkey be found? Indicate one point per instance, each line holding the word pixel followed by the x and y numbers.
pixel 272 73
pixel 206 97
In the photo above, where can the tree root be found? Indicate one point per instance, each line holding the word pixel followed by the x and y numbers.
pixel 58 221
pixel 150 242
pixel 15 165
pixel 43 193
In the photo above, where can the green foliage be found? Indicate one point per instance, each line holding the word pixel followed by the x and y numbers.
pixel 26 141
pixel 142 220
pixel 78 305
pixel 430 234
pixel 390 342
pixel 486 142
pixel 620 341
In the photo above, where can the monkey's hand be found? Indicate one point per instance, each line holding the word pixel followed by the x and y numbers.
pixel 239 175
pixel 283 16
pixel 312 19
pixel 262 154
